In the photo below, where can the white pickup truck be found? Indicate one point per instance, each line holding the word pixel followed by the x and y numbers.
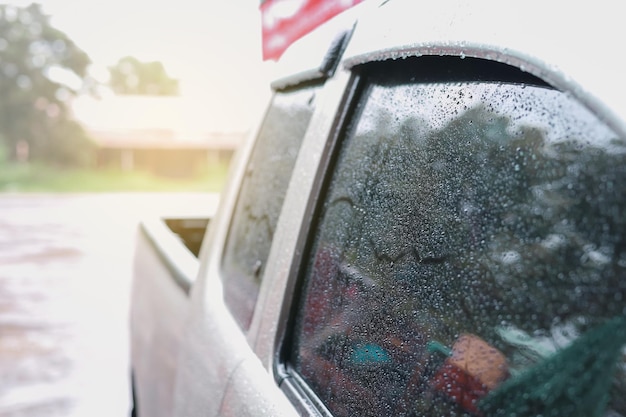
pixel 430 220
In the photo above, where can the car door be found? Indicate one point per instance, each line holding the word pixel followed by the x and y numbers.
pixel 461 252
pixel 466 252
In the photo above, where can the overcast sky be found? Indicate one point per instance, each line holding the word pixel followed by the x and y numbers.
pixel 212 46
pixel 188 36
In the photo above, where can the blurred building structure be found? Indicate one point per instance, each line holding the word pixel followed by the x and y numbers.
pixel 166 135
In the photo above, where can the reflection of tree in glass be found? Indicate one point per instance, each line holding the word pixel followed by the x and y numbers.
pixel 486 222
pixel 553 248
pixel 505 223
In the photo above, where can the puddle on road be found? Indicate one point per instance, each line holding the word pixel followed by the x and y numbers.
pixel 49 273
pixel 65 276
pixel 65 272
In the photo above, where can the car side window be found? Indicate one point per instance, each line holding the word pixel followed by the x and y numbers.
pixel 261 197
pixel 469 257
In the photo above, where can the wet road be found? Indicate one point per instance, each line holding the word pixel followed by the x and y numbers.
pixel 65 272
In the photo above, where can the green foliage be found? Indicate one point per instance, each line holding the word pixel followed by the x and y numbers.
pixel 33 106
pixel 131 76
pixel 575 382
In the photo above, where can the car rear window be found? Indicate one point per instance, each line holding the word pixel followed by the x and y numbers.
pixel 261 198
pixel 469 257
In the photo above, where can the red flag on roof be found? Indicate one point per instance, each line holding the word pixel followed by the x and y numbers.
pixel 286 21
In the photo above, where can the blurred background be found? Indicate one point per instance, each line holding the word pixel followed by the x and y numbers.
pixel 109 112
pixel 110 88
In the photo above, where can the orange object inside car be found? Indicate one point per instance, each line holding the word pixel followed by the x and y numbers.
pixel 474 368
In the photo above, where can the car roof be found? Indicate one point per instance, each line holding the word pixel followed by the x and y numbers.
pixel 573 46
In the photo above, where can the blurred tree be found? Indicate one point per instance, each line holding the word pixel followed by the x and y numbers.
pixel 35 119
pixel 131 76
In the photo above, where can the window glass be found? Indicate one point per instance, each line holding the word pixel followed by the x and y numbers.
pixel 261 198
pixel 469 258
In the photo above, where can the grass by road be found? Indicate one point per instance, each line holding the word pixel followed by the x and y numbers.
pixel 42 178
